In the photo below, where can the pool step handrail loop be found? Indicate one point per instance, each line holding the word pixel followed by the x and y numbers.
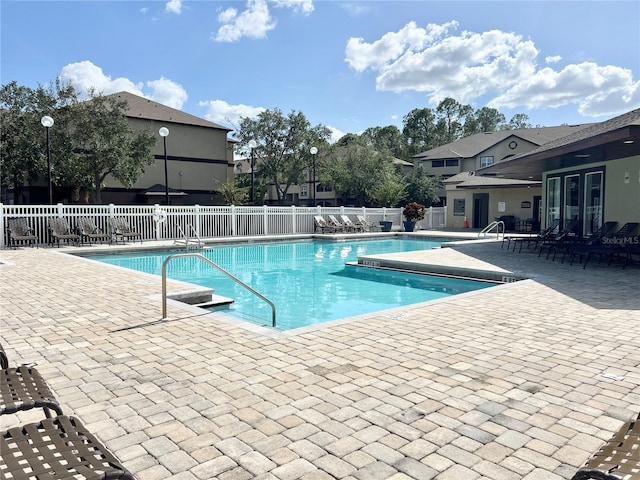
pixel 496 224
pixel 221 270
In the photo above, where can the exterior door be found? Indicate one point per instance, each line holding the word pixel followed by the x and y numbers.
pixel 480 210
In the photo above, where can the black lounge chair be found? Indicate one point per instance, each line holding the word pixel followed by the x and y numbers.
pixel 20 231
pixel 614 247
pixel 544 235
pixel 618 459
pixel 89 231
pixel 57 448
pixel 595 238
pixel 23 388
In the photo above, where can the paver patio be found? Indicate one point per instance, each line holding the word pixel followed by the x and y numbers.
pixel 522 381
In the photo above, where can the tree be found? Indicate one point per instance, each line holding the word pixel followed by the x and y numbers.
pixel 419 130
pixel 357 170
pixel 282 146
pixel 103 143
pixel 389 191
pixel 233 193
pixel 22 141
pixel 387 138
pixel 450 118
pixel 519 120
pixel 422 188
pixel 485 119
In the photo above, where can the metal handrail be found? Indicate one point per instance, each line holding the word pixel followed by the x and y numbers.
pixel 221 270
pixel 495 224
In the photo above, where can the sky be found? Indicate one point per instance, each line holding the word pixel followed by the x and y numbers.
pixel 348 65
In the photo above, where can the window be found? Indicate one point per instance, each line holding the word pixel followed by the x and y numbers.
pixel 452 163
pixel 437 163
pixel 592 202
pixel 486 161
pixel 553 200
pixel 303 191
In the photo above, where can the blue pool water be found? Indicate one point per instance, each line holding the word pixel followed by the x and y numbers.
pixel 307 280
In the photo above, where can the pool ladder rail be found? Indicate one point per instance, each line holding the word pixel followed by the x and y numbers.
pixel 186 239
pixel 221 270
pixel 495 225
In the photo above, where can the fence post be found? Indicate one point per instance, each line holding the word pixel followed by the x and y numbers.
pixel 265 220
pixel 60 210
pixel 2 229
pixel 233 220
pixel 294 228
pixel 197 215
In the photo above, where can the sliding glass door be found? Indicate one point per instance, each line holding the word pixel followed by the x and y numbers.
pixel 592 202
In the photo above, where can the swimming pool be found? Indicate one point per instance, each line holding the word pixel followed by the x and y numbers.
pixel 307 280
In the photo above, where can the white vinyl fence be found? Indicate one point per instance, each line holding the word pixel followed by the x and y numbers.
pixel 198 220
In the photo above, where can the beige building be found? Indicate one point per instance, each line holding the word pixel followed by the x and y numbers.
pixel 588 177
pixel 199 155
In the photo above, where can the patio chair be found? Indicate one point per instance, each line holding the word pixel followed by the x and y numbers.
pixel 618 459
pixel 122 230
pixel 20 231
pixel 536 239
pixel 613 248
pixel 57 448
pixel 60 230
pixel 89 231
pixel 570 248
pixel 366 225
pixel 349 225
pixel 319 223
pixel 23 388
pixel 336 224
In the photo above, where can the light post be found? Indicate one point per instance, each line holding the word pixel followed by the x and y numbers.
pixel 252 145
pixel 164 133
pixel 313 151
pixel 47 123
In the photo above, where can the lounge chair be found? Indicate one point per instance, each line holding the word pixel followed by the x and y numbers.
pixel 23 388
pixel 89 231
pixel 349 225
pixel 366 225
pixel 613 248
pixel 122 230
pixel 60 230
pixel 617 459
pixel 57 448
pixel 536 239
pixel 20 231
pixel 319 223
pixel 336 224
pixel 573 246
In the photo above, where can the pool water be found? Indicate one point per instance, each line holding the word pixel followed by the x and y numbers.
pixel 308 281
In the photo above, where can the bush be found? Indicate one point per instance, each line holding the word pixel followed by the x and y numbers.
pixel 414 211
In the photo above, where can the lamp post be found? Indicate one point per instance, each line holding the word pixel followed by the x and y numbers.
pixel 252 145
pixel 313 151
pixel 47 123
pixel 164 133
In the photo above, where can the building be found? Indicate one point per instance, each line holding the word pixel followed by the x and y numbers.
pixel 199 155
pixel 587 177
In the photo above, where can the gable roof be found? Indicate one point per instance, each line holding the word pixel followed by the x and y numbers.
pixel 140 107
pixel 473 145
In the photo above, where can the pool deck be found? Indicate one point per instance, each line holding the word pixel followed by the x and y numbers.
pixel 522 381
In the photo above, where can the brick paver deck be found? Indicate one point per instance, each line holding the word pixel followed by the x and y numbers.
pixel 521 381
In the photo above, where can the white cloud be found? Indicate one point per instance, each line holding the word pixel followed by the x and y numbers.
pixel 303 6
pixel 335 134
pixel 254 22
pixel 219 111
pixel 174 6
pixel 84 76
pixel 500 64
pixel 144 10
pixel 167 92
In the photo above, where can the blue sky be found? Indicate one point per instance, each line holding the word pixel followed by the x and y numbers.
pixel 348 65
